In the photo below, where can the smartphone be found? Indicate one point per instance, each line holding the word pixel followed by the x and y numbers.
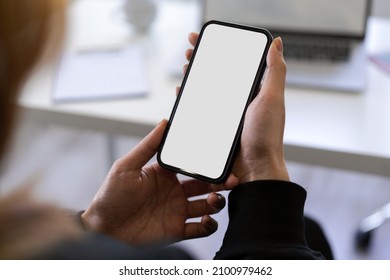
pixel 222 78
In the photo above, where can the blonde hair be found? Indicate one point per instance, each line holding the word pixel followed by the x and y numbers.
pixel 28 30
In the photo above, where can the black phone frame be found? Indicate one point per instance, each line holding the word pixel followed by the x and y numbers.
pixel 234 148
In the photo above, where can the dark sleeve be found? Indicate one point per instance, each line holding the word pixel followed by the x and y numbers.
pixel 266 222
pixel 94 246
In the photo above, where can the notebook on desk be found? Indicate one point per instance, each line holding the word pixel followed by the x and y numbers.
pixel 323 40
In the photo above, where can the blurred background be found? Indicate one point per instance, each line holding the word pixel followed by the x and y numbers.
pixel 69 162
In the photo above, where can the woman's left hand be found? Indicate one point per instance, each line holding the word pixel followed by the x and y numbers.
pixel 144 204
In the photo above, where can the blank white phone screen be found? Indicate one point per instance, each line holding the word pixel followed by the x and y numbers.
pixel 214 96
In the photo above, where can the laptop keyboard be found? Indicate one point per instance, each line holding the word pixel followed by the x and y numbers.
pixel 316 48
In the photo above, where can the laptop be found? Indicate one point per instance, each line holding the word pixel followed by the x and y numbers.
pixel 323 39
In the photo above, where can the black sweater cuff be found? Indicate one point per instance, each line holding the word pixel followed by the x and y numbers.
pixel 266 221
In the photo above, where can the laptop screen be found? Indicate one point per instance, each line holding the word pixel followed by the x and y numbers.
pixel 328 17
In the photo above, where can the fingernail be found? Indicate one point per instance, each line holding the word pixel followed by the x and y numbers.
pixel 210 223
pixel 279 44
pixel 221 201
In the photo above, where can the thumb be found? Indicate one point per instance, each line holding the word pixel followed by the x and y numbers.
pixel 144 150
pixel 275 79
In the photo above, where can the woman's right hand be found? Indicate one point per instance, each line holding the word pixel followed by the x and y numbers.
pixel 261 154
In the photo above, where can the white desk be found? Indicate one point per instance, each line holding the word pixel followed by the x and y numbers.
pixel 341 130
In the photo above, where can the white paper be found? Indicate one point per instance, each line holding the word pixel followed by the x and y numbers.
pixel 101 74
